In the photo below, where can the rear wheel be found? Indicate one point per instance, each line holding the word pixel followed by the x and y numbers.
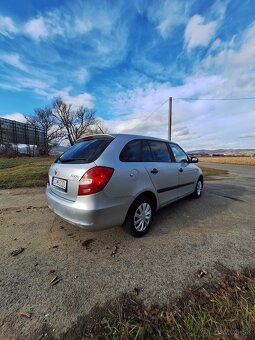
pixel 139 217
pixel 199 187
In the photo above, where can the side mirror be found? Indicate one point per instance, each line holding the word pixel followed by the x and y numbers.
pixel 193 160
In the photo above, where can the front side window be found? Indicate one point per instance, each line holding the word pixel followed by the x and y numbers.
pixel 179 154
pixel 131 152
pixel 159 151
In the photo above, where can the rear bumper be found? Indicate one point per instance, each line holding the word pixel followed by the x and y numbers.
pixel 85 215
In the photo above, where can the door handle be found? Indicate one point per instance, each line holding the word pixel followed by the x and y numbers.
pixel 181 169
pixel 154 171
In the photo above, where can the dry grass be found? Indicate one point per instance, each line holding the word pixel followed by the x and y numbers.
pixel 222 310
pixel 229 160
pixel 208 172
pixel 24 171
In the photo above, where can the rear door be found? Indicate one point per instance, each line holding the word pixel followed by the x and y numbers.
pixel 161 169
pixel 187 172
pixel 66 172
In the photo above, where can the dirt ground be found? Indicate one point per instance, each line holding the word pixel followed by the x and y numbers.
pixel 92 268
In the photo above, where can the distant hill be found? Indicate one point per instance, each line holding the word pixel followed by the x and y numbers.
pixel 233 152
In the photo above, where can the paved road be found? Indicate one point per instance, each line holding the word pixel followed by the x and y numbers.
pixel 186 236
pixel 237 170
pixel 239 184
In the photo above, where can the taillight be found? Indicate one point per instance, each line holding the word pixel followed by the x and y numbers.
pixel 94 180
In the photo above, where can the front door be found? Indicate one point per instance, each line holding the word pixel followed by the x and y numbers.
pixel 162 170
pixel 187 171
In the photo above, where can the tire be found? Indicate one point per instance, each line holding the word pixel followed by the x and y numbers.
pixel 139 216
pixel 199 188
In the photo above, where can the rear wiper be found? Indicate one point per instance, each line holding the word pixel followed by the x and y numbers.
pixel 72 159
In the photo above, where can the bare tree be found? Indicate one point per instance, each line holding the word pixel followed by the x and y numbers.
pixel 99 127
pixel 62 122
pixel 73 122
pixel 43 118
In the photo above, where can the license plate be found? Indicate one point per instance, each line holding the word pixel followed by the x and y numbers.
pixel 59 183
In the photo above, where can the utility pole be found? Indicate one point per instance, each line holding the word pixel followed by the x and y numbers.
pixel 170 118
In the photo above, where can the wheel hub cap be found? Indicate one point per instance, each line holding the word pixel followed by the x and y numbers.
pixel 199 188
pixel 142 217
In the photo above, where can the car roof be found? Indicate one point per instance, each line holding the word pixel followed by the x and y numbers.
pixel 132 136
pixel 123 136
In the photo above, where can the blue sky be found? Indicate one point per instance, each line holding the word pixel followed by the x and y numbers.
pixel 125 58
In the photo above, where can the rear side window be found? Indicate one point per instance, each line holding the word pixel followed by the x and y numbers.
pixel 146 152
pixel 131 152
pixel 159 151
pixel 84 152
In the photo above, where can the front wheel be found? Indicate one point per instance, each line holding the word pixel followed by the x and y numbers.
pixel 139 217
pixel 199 187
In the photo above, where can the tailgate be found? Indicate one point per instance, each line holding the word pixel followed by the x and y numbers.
pixel 64 179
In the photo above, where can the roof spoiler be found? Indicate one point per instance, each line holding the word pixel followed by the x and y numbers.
pixel 95 136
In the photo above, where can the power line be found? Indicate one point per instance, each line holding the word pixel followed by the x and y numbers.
pixel 145 118
pixel 192 98
pixel 150 114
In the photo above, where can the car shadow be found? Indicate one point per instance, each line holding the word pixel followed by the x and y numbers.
pixel 216 198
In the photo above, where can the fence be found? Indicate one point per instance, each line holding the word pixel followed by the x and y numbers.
pixel 16 137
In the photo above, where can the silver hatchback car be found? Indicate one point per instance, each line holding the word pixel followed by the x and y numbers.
pixel 110 180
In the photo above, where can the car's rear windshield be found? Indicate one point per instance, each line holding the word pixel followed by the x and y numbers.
pixel 85 152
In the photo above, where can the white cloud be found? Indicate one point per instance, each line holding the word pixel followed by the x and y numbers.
pixel 82 99
pixel 32 83
pixel 41 84
pixel 196 124
pixel 100 26
pixel 216 45
pixel 81 75
pixel 143 112
pixel 170 15
pixel 219 8
pixel 10 87
pixel 198 33
pixel 7 26
pixel 166 16
pixel 19 117
pixel 13 60
pixel 248 135
pixel 78 19
pixel 82 26
pixel 234 62
pixel 150 96
pixel 99 36
pixel 36 28
pixel 155 125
